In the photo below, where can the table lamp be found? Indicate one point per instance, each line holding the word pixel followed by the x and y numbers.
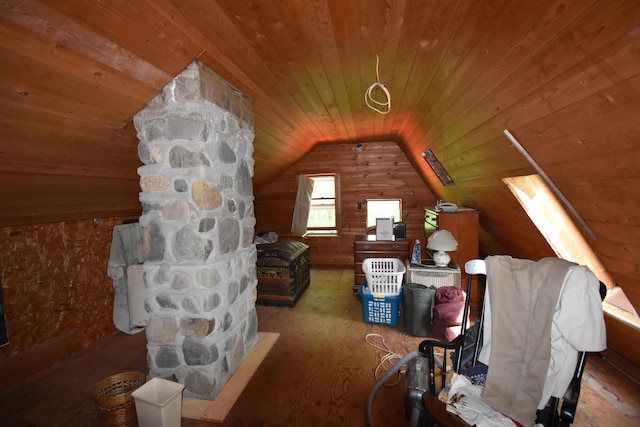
pixel 441 241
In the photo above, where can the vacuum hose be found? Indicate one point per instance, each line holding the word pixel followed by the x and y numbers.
pixel 386 377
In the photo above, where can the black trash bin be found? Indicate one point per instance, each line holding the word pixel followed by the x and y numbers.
pixel 418 304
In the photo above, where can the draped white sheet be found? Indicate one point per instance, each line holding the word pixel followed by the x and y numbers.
pixel 301 208
pixel 126 250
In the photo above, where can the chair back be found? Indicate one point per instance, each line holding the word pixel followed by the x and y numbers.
pixel 475 266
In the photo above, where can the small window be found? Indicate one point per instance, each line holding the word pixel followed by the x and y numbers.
pixel 323 205
pixel 383 208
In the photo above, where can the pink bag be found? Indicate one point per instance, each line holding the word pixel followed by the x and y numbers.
pixel 448 312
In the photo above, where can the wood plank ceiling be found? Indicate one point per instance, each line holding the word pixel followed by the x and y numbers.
pixel 563 76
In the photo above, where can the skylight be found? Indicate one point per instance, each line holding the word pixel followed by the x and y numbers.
pixel 565 238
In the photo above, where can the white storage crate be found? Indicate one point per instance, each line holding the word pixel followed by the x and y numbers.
pixel 384 275
pixel 428 274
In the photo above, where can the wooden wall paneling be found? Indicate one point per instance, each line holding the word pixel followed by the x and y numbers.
pixel 626 282
pixel 382 171
pixel 317 18
pixel 265 35
pixel 238 53
pixel 209 52
pixel 589 168
pixel 621 338
pixel 13 38
pixel 39 19
pixel 345 24
pixel 51 196
pixel 487 166
pixel 315 85
pixel 617 247
pixel 615 232
pixel 25 153
pixel 416 38
pixel 51 125
pixel 387 44
pixel 376 25
pixel 217 24
pixel 265 142
pixel 16 117
pixel 585 145
pixel 522 43
pixel 49 90
pixel 449 22
pixel 617 195
pixel 448 79
pixel 517 98
pixel 136 27
pixel 440 33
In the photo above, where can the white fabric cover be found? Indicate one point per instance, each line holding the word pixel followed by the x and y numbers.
pixel 577 325
pixel 126 250
pixel 302 206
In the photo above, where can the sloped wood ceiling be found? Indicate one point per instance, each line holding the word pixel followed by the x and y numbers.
pixel 563 76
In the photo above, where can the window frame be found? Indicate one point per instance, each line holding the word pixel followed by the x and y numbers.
pixel 326 231
pixel 394 199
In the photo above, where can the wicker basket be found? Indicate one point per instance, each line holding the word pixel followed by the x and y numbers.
pixel 112 396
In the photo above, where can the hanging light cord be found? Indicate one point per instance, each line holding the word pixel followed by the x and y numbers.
pixel 386 106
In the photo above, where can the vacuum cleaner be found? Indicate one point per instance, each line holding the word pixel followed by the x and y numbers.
pixel 415 386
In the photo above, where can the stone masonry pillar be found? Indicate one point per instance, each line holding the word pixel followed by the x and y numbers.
pixel 196 144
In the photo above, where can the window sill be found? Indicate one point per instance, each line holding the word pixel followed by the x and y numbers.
pixel 324 233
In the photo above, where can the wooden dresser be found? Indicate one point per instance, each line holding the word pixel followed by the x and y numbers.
pixel 368 247
pixel 463 224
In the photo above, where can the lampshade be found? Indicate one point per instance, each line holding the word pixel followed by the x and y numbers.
pixel 442 240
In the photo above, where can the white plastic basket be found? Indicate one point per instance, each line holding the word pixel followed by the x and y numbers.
pixel 384 275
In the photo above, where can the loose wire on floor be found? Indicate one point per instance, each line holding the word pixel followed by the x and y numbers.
pixel 387 360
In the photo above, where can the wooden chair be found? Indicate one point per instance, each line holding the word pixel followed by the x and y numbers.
pixel 558 412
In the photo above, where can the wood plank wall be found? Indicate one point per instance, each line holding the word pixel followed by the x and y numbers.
pixel 381 170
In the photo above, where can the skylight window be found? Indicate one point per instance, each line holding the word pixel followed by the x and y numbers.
pixel 565 238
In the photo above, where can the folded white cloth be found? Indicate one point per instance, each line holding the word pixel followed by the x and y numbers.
pixel 464 401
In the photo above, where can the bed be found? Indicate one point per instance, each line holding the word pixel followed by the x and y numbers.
pixel 283 272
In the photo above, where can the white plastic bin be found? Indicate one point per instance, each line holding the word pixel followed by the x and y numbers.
pixel 384 275
pixel 159 403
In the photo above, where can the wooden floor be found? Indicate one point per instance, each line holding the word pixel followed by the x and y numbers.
pixel 319 372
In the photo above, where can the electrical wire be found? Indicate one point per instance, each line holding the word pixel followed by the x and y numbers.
pixel 397 368
pixel 368 96
pixel 386 361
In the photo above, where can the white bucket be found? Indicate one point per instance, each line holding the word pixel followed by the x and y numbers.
pixel 159 403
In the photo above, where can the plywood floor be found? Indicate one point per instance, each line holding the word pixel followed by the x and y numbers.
pixel 318 373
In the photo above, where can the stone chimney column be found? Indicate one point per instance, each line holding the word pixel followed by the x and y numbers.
pixel 196 144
